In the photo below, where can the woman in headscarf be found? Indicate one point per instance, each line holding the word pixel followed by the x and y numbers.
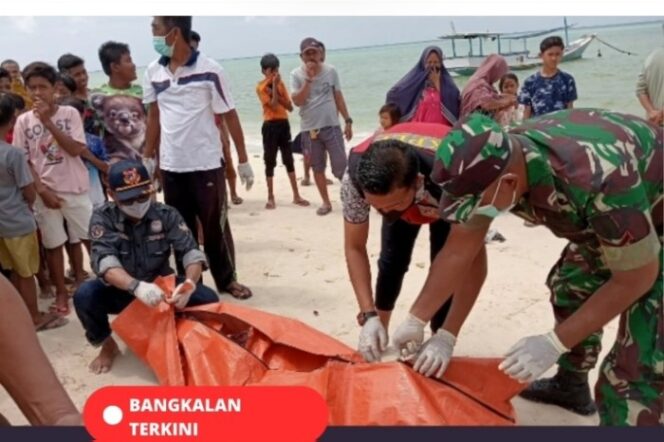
pixel 427 92
pixel 479 95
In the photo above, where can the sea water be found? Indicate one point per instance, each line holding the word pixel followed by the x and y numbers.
pixel 366 75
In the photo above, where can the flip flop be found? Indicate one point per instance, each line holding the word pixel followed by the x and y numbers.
pixel 239 291
pixel 237 200
pixel 270 205
pixel 50 321
pixel 60 310
pixel 323 210
pixel 301 202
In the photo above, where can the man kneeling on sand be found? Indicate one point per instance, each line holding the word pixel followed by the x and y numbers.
pixel 131 242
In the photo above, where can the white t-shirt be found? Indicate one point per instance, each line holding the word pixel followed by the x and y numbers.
pixel 188 100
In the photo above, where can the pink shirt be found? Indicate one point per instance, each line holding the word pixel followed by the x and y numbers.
pixel 428 110
pixel 57 169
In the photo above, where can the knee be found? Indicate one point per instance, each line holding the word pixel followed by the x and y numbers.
pixel 203 295
pixel 85 294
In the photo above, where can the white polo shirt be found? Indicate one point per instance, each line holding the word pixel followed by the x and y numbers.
pixel 188 100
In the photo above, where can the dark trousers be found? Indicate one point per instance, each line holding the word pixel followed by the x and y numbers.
pixel 277 137
pixel 397 243
pixel 202 195
pixel 94 301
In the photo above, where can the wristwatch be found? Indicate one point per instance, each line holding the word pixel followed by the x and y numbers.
pixel 349 120
pixel 363 317
pixel 133 286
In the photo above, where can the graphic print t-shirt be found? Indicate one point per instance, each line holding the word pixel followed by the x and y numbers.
pixel 57 169
pixel 123 119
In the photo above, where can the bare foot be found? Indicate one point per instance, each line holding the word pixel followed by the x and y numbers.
pixel 270 205
pixel 328 181
pixel 298 200
pixel 236 200
pixel 306 181
pixel 103 362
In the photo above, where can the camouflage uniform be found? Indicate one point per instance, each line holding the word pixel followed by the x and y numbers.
pixel 595 178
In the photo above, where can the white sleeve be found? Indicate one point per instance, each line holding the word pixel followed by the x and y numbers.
pixel 222 99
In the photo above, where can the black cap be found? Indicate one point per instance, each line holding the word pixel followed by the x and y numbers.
pixel 310 43
pixel 129 180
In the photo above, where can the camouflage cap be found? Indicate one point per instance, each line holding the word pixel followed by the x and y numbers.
pixel 468 160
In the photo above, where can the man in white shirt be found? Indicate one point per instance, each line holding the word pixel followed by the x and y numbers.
pixel 184 91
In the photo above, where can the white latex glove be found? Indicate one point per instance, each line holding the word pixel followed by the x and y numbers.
pixel 246 174
pixel 435 354
pixel 182 293
pixel 529 358
pixel 149 294
pixel 373 339
pixel 409 336
pixel 150 165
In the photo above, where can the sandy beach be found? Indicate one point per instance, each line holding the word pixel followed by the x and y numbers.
pixel 294 262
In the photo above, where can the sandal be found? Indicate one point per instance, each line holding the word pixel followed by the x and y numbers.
pixel 236 200
pixel 323 210
pixel 62 310
pixel 239 291
pixel 50 321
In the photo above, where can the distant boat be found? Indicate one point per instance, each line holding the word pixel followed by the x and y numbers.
pixel 517 60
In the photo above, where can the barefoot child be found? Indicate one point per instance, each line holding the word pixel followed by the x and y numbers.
pixel 19 248
pixel 53 139
pixel 276 104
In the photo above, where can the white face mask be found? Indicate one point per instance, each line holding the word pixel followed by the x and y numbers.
pixel 136 210
pixel 491 211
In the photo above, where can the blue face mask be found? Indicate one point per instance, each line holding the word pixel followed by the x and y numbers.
pixel 159 44
pixel 491 211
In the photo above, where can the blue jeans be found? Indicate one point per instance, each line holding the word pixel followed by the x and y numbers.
pixel 94 301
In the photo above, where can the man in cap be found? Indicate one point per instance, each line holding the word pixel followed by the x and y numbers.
pixel 391 173
pixel 131 242
pixel 317 92
pixel 595 178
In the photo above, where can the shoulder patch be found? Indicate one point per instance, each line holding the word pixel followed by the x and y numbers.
pixel 97 231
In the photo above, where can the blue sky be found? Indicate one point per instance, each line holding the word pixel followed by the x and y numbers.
pixel 46 38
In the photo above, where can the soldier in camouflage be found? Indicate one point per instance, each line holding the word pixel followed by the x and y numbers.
pixel 595 178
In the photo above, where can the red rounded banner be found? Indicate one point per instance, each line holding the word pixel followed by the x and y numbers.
pixel 294 414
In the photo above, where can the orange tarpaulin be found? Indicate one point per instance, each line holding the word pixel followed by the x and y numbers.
pixel 227 344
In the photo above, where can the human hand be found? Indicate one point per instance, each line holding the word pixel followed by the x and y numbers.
pixel 41 110
pixel 373 339
pixel 246 174
pixel 435 354
pixel 149 294
pixel 529 358
pixel 182 294
pixel 348 131
pixel 408 337
pixel 656 116
pixel 50 199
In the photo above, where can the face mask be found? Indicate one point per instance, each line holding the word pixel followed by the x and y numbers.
pixel 491 211
pixel 159 44
pixel 136 210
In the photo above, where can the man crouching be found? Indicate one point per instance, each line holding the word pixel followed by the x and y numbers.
pixel 131 243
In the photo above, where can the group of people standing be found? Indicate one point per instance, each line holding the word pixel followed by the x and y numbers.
pixel 451 159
